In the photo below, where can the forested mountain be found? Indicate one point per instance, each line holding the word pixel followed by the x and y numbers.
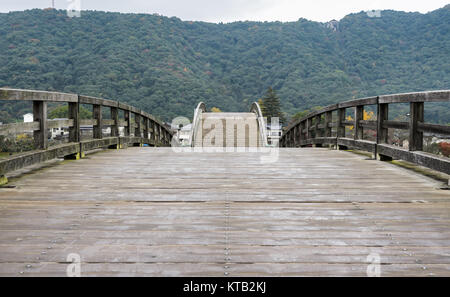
pixel 165 65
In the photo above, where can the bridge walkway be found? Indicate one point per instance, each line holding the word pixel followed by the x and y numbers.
pixel 154 212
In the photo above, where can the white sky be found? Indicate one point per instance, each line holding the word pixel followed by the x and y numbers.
pixel 237 10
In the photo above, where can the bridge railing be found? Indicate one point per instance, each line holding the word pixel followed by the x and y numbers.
pixel 145 129
pixel 316 128
pixel 201 108
pixel 255 108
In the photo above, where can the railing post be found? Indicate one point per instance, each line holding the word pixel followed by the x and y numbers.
pixel 145 128
pixel 127 117
pixel 152 132
pixel 156 133
pixel 97 112
pixel 317 132
pixel 40 115
pixel 382 115
pixel 308 126
pixel 340 127
pixel 137 127
pixel 382 132
pixel 74 114
pixel 115 117
pixel 416 116
pixel 160 137
pixel 292 134
pixel 301 137
pixel 359 116
pixel 328 121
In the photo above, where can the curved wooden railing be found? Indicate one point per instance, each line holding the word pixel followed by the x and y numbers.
pixel 255 108
pixel 201 107
pixel 316 128
pixel 147 129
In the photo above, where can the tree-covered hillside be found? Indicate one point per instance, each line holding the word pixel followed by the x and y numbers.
pixel 165 66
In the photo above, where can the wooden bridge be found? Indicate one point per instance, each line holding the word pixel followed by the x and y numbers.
pixel 158 211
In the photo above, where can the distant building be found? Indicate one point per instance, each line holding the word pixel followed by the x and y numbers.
pixel 274 133
pixel 28 118
pixel 59 132
pixel 184 134
pixel 333 25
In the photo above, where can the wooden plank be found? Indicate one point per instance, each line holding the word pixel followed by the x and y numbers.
pixel 88 122
pixel 193 214
pixel 428 160
pixel 431 128
pixel 431 96
pixel 97 101
pixel 33 95
pixel 396 125
pixel 60 123
pixel 359 102
pixel 17 128
pixel 108 122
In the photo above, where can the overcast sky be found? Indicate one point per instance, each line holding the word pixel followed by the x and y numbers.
pixel 236 10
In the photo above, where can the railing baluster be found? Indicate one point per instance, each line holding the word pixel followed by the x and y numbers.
pixel 137 127
pixel 328 121
pixel 127 117
pixel 40 115
pixel 340 121
pixel 416 116
pixel 115 117
pixel 97 113
pixel 146 120
pixel 359 116
pixel 74 114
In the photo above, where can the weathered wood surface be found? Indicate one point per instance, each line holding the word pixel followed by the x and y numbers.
pixel 153 212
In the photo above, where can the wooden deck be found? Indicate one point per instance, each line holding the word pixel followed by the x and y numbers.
pixel 153 212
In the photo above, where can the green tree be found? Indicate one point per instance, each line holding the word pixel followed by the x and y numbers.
pixel 272 106
pixel 304 113
pixel 63 111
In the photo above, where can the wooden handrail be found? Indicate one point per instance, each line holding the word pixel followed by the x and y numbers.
pixel 147 129
pixel 302 132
